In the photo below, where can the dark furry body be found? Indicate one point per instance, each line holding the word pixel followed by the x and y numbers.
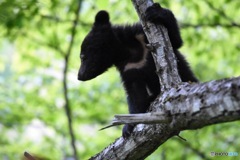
pixel 125 47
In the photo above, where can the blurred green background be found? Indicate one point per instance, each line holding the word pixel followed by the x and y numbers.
pixel 39 61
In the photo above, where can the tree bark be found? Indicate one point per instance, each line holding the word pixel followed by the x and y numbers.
pixel 181 106
pixel 159 41
pixel 192 106
pixel 188 106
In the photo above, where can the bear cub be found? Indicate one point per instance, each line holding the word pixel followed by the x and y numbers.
pixel 124 46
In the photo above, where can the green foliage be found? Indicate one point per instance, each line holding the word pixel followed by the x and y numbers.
pixel 33 39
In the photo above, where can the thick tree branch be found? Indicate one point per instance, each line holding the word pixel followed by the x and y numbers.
pixel 162 49
pixel 194 105
pixel 188 106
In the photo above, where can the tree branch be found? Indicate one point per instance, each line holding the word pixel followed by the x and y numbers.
pixel 222 13
pixel 67 106
pixel 189 25
pixel 162 49
pixel 194 105
pixel 188 145
pixel 189 106
pixel 42 43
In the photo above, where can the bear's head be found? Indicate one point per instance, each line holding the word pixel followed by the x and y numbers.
pixel 98 47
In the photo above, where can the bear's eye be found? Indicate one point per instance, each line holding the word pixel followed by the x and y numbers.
pixel 83 57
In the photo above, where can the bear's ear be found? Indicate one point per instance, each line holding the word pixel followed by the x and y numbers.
pixel 102 17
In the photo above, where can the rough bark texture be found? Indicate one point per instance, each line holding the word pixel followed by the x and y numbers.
pixel 179 107
pixel 162 49
pixel 188 106
pixel 192 106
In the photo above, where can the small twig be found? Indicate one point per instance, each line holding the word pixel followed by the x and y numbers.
pixel 67 106
pixel 189 25
pixel 58 19
pixel 42 43
pixel 223 14
pixel 194 150
pixel 181 138
pixel 29 156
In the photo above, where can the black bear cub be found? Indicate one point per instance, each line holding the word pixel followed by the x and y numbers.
pixel 125 47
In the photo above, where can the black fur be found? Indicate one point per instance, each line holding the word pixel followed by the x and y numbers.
pixel 124 47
